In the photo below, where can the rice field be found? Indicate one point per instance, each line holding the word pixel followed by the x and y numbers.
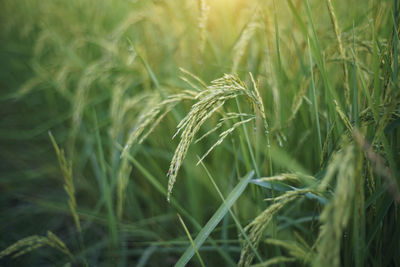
pixel 199 133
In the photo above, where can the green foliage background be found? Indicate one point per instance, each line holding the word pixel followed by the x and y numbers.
pixel 327 157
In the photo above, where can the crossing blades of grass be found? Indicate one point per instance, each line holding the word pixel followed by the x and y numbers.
pixel 215 219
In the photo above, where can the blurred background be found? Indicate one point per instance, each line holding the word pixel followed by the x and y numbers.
pixel 86 71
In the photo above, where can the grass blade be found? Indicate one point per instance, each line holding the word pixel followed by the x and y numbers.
pixel 236 220
pixel 215 219
pixel 191 240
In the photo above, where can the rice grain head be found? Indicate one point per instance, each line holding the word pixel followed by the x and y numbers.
pixel 209 102
pixel 244 39
pixel 30 243
pixel 202 23
pixel 336 214
pixel 122 183
pixel 342 51
pixel 295 249
pixel 153 116
pixel 258 226
pixel 69 188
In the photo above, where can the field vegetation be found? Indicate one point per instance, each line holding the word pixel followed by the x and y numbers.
pixel 199 133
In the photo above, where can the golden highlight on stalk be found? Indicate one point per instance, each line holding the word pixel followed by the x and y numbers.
pixel 202 23
pixel 209 101
pixel 153 117
pixel 244 39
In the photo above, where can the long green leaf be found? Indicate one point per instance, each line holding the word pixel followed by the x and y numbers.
pixel 215 219
pixel 176 204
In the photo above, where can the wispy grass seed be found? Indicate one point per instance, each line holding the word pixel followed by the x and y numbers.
pixel 69 188
pixel 335 216
pixel 257 227
pixel 209 101
pixel 30 243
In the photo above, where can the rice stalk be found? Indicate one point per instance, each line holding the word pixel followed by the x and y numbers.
pixel 30 243
pixel 153 116
pixel 202 23
pixel 209 101
pixel 274 261
pixel 194 77
pixel 69 188
pixel 80 98
pixel 265 123
pixel 343 116
pixel 135 101
pixel 378 165
pixel 314 100
pixel 257 227
pixel 289 194
pixel 336 214
pixel 27 87
pixel 295 249
pixel 222 121
pixel 190 83
pixel 389 111
pixel 280 178
pixel 115 109
pixel 298 101
pixel 132 18
pixel 116 130
pixel 335 25
pixel 244 39
pixel 223 135
pixel 326 143
pixel 122 183
pixel 334 164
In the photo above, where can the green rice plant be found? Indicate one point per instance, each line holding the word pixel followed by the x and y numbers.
pixel 297 102
pixel 122 183
pixel 244 39
pixel 153 117
pixel 210 100
pixel 30 243
pixel 114 80
pixel 284 177
pixel 343 117
pixel 223 135
pixel 378 166
pixel 215 219
pixel 202 23
pixel 66 169
pixel 336 215
pixel 242 232
pixel 191 241
pixel 314 100
pixel 257 227
pixel 296 250
pixel 274 261
pixel 69 187
pixel 341 49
